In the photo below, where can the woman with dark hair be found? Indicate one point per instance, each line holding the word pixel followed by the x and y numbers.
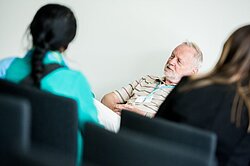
pixel 52 29
pixel 219 101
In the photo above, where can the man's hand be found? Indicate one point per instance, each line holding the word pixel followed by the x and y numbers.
pixel 119 107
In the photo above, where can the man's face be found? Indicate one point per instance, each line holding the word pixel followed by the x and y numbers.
pixel 180 63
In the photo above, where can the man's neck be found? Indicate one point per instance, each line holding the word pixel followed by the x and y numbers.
pixel 168 82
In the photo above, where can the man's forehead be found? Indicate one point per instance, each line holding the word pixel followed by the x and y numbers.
pixel 184 51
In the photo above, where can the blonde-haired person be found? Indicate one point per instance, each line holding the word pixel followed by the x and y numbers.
pixel 219 101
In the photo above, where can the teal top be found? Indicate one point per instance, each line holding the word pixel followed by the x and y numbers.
pixel 63 82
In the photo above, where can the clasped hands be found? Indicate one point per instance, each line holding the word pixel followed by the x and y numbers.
pixel 119 107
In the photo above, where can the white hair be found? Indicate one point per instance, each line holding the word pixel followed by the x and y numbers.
pixel 198 56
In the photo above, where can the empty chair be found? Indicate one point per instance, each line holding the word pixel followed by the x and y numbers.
pixel 54 118
pixel 128 148
pixel 200 141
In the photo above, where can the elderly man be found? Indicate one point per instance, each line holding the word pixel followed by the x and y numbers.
pixel 144 96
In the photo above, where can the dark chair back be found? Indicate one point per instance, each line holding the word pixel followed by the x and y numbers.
pixel 14 123
pixel 54 118
pixel 199 140
pixel 128 148
pixel 14 127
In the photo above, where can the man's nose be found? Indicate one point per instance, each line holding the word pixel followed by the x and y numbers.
pixel 172 61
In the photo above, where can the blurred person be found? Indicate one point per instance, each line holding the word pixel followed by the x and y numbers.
pixel 52 29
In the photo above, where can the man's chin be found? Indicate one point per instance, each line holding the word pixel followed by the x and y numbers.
pixel 169 77
pixel 172 78
pixel 169 74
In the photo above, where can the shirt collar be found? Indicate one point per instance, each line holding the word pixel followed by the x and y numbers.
pixel 162 80
pixel 50 57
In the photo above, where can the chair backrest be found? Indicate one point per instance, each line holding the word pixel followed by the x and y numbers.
pixel 39 156
pixel 128 148
pixel 14 123
pixel 199 140
pixel 54 118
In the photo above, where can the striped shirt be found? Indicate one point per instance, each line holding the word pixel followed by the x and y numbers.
pixel 146 94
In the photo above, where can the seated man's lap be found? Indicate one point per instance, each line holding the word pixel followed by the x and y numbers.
pixel 109 119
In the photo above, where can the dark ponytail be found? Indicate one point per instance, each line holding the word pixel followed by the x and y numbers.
pixel 37 66
pixel 52 28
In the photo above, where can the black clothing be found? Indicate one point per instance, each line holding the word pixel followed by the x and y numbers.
pixel 209 108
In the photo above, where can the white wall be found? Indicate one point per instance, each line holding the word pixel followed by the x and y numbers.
pixel 121 40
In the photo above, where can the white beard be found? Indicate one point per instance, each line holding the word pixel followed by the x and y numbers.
pixel 171 75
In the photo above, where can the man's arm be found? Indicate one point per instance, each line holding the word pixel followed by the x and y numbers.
pixel 134 109
pixel 110 100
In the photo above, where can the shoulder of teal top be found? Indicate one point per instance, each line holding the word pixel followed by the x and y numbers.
pixel 4 65
pixel 21 67
pixel 71 84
